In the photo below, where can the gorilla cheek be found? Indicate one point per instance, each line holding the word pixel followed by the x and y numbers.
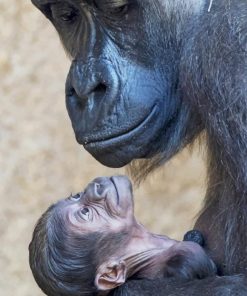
pixel 122 123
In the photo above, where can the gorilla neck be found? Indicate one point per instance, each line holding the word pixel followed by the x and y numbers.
pixel 222 109
pixel 227 187
pixel 148 264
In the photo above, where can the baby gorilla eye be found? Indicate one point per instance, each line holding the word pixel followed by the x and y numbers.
pixel 75 197
pixel 84 213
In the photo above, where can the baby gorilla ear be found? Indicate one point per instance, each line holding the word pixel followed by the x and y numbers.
pixel 110 275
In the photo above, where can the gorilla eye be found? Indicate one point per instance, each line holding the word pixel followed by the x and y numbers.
pixel 64 13
pixel 75 197
pixel 84 213
pixel 68 16
pixel 119 10
pixel 113 8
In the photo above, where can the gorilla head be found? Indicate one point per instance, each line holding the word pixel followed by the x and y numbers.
pixel 146 77
pixel 123 92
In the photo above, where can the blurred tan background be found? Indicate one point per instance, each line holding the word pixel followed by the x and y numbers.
pixel 40 160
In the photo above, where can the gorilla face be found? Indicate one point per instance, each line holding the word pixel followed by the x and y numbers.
pixel 122 88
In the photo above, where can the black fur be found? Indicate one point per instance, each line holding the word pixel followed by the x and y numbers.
pixel 194 236
pixel 145 81
pixel 63 260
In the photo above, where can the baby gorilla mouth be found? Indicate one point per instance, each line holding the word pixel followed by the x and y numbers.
pixel 114 184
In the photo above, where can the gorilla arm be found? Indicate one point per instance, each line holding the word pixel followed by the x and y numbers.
pixel 218 286
pixel 209 286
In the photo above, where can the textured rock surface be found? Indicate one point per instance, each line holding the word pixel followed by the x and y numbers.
pixel 40 160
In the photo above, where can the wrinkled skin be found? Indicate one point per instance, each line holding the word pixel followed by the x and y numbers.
pixel 146 78
pixel 117 83
pixel 91 243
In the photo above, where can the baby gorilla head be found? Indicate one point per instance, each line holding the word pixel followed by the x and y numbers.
pixel 91 243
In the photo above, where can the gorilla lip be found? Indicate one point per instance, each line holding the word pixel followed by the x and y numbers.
pixel 117 194
pixel 108 139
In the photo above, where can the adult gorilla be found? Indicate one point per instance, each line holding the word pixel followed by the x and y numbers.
pixel 146 78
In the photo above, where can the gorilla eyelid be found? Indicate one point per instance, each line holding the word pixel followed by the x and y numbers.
pixel 112 7
pixel 84 213
pixel 76 197
pixel 64 13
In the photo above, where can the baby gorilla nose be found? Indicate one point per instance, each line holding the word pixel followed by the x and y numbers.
pixel 99 189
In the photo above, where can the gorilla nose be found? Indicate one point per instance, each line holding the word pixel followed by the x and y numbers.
pixel 83 92
pixel 82 82
pixel 97 189
pixel 100 88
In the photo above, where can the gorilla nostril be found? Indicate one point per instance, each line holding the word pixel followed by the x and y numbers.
pixel 70 91
pixel 100 88
pixel 99 188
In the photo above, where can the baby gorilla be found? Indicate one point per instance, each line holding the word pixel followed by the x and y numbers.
pixel 91 243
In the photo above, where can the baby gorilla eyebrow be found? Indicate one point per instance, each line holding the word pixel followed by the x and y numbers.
pixel 70 262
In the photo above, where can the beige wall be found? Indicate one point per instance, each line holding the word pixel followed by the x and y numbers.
pixel 39 158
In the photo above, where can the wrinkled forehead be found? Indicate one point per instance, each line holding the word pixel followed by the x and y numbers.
pixel 58 212
pixel 62 209
pixel 62 218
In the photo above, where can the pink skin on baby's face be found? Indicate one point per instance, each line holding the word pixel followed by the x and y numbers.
pixel 97 229
pixel 106 206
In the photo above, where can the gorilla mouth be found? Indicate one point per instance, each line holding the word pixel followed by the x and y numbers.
pixel 105 140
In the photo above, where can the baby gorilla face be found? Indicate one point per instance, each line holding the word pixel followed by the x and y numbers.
pixel 106 205
pixel 92 242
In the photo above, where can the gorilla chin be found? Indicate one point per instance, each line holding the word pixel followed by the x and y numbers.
pixel 116 156
pixel 112 159
pixel 139 143
pixel 120 150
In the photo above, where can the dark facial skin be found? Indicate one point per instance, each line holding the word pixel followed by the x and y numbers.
pixel 116 87
pixel 106 207
pixel 145 80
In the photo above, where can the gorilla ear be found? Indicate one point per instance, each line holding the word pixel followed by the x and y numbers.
pixel 110 275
